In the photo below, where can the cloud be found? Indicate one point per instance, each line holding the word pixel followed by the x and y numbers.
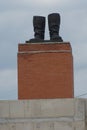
pixel 48 2
pixel 8 84
pixel 80 53
pixel 80 82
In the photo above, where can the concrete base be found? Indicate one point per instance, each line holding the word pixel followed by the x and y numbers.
pixel 43 114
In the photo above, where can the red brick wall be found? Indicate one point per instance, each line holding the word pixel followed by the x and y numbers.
pixel 45 71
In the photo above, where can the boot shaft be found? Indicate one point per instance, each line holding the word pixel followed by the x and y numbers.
pixel 53 19
pixel 54 26
pixel 39 27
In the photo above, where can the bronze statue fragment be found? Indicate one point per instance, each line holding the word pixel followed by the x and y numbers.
pixel 39 28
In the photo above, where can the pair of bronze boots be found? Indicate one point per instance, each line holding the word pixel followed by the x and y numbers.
pixel 39 28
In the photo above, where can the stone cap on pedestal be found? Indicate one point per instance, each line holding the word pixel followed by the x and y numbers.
pixel 45 46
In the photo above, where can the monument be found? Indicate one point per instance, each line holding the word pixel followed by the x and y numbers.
pixel 45 74
pixel 45 67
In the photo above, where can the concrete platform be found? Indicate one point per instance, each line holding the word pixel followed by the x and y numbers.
pixel 44 114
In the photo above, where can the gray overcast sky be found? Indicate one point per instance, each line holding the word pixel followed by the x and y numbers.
pixel 16 27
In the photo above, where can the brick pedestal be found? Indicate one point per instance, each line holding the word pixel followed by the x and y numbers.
pixel 45 71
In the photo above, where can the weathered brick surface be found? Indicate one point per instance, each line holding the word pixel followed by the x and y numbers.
pixel 45 71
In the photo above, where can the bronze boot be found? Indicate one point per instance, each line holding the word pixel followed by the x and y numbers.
pixel 39 29
pixel 54 25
